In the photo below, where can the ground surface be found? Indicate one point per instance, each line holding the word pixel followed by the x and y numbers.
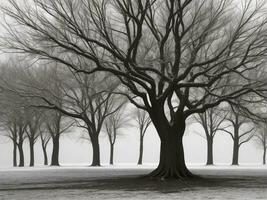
pixel 80 183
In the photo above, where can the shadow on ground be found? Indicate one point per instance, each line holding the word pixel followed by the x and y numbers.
pixel 133 183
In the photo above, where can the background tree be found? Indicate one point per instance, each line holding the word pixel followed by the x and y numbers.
pixel 56 126
pixel 9 129
pixel 113 125
pixel 143 121
pixel 88 99
pixel 159 50
pixel 211 121
pixel 241 133
pixel 34 122
pixel 261 140
pixel 45 138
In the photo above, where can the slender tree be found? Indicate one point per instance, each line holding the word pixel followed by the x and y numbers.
pixel 34 122
pixel 113 125
pixel 143 121
pixel 45 138
pixel 56 126
pixel 241 133
pixel 9 127
pixel 160 50
pixel 211 121
pixel 21 132
pixel 261 140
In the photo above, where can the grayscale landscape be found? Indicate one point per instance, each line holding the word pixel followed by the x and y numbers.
pixel 133 99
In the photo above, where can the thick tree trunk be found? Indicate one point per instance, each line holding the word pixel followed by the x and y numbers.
pixel 45 154
pixel 14 154
pixel 235 152
pixel 111 154
pixel 264 157
pixel 31 154
pixel 141 147
pixel 55 151
pixel 172 162
pixel 209 150
pixel 21 154
pixel 96 151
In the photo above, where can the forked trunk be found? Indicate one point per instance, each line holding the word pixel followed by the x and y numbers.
pixel 209 150
pixel 96 151
pixel 172 162
pixel 31 154
pixel 14 154
pixel 55 151
pixel 141 147
pixel 21 155
pixel 111 154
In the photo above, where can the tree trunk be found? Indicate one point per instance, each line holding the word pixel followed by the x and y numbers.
pixel 21 154
pixel 235 152
pixel 55 151
pixel 209 150
pixel 45 154
pixel 111 154
pixel 31 154
pixel 172 162
pixel 14 154
pixel 141 147
pixel 264 156
pixel 96 151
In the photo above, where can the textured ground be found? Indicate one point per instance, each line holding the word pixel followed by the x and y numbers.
pixel 78 183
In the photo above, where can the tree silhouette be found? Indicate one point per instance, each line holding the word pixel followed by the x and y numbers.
pixel 143 120
pixel 212 121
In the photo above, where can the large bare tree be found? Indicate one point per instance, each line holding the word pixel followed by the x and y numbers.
pixel 160 50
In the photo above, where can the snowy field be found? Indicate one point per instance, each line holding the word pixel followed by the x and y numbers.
pixel 124 182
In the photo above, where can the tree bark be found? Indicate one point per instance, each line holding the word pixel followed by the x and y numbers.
pixel 264 157
pixel 31 154
pixel 45 154
pixel 111 154
pixel 235 152
pixel 209 150
pixel 172 162
pixel 55 151
pixel 21 154
pixel 141 147
pixel 96 151
pixel 14 154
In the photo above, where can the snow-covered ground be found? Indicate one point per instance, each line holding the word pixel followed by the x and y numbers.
pixel 120 182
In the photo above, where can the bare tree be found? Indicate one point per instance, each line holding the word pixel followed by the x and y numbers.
pixel 212 121
pixel 159 49
pixel 143 120
pixel 34 122
pixel 261 139
pixel 240 136
pixel 21 125
pixel 56 126
pixel 9 127
pixel 113 125
pixel 45 138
